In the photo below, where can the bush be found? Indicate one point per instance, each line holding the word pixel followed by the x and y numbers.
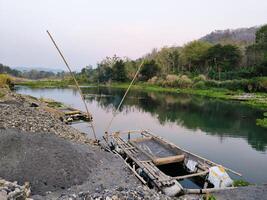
pixel 199 85
pixel 5 81
pixel 171 80
pixel 247 85
pixel 235 85
pixel 153 80
pixel 240 183
pixel 262 84
pixel 184 82
pixel 212 83
pixel 200 77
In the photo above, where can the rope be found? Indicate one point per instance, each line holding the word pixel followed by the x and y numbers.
pixel 76 83
pixel 125 94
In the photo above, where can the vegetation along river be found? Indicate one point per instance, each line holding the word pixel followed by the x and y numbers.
pixel 222 131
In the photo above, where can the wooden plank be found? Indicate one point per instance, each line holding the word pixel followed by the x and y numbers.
pixel 140 139
pixel 145 161
pixel 155 171
pixel 168 160
pixel 190 175
pixel 130 148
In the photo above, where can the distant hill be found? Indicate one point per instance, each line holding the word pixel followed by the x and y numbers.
pixel 241 36
pixel 54 70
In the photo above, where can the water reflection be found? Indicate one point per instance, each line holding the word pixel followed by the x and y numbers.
pixel 215 117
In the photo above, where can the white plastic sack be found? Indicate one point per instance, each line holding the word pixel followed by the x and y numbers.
pixel 173 190
pixel 191 166
pixel 219 178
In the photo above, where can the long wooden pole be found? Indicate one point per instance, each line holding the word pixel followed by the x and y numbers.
pixel 125 94
pixel 76 83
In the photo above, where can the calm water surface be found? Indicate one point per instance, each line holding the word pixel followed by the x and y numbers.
pixel 224 132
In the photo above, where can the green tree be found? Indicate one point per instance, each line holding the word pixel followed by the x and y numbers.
pixel 192 55
pixel 168 59
pixel 261 37
pixel 131 67
pixel 225 57
pixel 118 71
pixel 149 69
pixel 256 54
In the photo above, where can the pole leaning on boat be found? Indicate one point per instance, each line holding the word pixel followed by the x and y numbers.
pixel 125 94
pixel 91 125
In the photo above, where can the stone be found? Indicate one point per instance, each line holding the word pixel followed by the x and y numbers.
pixel 3 195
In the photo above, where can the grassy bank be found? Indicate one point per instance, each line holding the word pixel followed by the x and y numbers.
pixel 257 100
pixel 46 83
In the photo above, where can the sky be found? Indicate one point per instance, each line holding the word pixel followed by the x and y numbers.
pixel 87 31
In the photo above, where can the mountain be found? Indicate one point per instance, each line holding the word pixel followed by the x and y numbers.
pixel 54 70
pixel 241 36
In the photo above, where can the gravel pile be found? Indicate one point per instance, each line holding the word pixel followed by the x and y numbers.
pixel 119 193
pixel 16 112
pixel 48 162
pixel 60 169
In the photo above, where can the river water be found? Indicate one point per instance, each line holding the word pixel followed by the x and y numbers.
pixel 222 131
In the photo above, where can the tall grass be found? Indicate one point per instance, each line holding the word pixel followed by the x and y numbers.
pixel 4 80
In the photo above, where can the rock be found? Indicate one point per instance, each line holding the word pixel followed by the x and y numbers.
pixel 3 195
pixel 9 190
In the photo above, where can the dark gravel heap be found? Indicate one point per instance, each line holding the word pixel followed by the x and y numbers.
pixel 58 168
pixel 49 163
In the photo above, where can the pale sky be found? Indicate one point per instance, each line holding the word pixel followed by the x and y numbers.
pixel 87 31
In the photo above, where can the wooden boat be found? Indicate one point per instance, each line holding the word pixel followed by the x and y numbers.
pixel 147 155
pixel 71 115
pixel 66 114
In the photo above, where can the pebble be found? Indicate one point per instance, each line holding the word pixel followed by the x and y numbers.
pixel 11 190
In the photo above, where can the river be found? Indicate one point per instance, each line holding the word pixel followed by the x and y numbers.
pixel 222 131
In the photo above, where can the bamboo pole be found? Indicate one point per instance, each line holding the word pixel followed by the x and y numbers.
pixel 204 191
pixel 125 94
pixel 76 83
pixel 190 175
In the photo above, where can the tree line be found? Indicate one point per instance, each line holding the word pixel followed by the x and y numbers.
pixel 31 74
pixel 219 62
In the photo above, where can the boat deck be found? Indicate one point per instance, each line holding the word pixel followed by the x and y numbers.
pixel 144 162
